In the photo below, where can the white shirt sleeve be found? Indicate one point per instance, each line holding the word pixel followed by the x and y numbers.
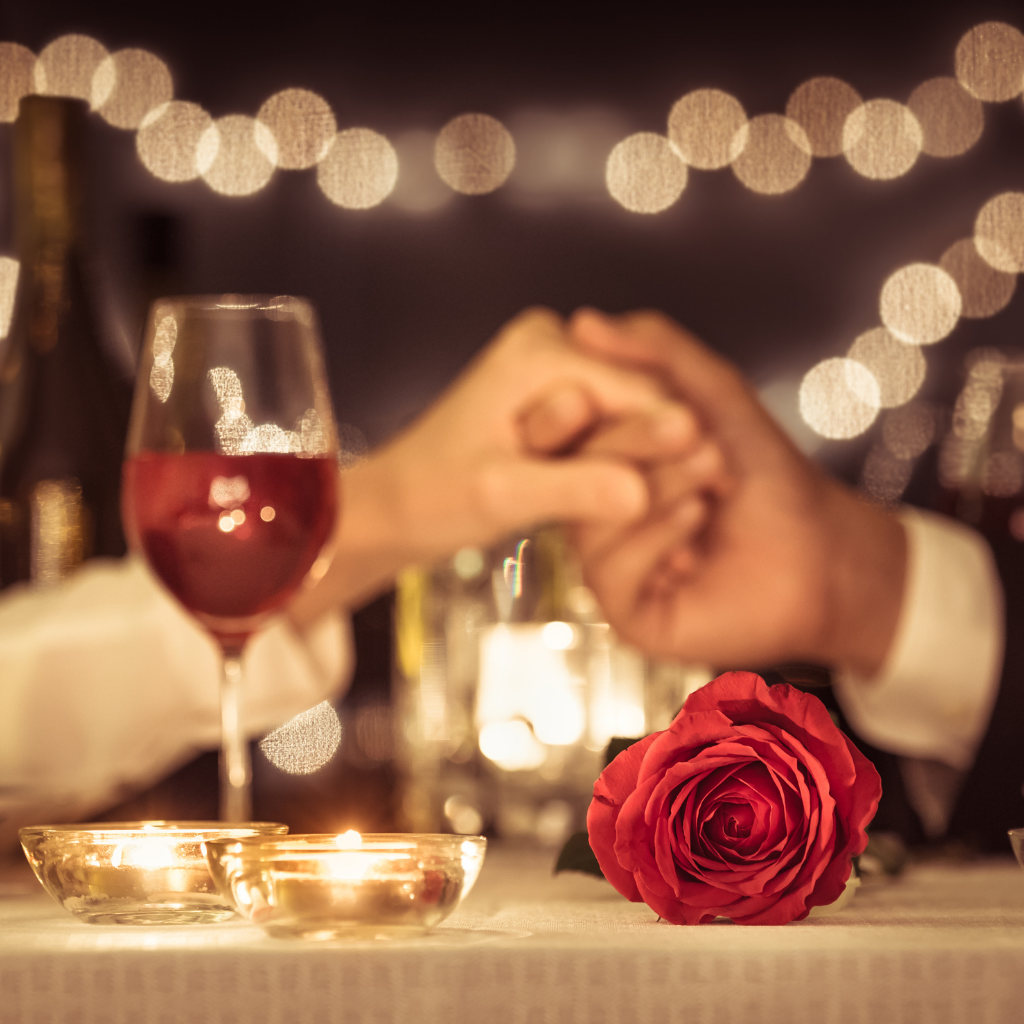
pixel 934 694
pixel 106 685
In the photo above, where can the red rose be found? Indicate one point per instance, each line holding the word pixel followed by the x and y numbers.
pixel 749 806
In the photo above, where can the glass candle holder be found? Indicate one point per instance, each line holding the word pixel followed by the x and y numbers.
pixel 349 886
pixel 135 872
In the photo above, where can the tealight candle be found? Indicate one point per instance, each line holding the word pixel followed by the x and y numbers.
pixel 347 886
pixel 135 872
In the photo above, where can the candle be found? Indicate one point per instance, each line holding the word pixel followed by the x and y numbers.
pixel 140 872
pixel 347 886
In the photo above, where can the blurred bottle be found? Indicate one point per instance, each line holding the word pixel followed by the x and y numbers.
pixel 63 404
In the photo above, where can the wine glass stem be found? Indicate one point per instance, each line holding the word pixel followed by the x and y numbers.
pixel 235 766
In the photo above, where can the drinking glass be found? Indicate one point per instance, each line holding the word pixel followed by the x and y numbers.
pixel 230 485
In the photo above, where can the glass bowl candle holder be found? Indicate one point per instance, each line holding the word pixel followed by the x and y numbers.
pixel 135 872
pixel 348 886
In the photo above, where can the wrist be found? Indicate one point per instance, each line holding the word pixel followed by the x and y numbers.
pixel 865 580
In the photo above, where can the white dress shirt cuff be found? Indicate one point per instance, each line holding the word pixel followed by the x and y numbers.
pixel 935 692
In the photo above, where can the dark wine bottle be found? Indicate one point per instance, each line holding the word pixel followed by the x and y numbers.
pixel 63 403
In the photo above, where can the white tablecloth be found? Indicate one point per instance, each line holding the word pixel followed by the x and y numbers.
pixel 944 943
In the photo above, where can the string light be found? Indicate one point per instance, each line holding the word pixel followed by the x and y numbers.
pixel 989 62
pixel 644 173
pixel 17 64
pixel 66 67
pixel 236 155
pixel 951 119
pixel 127 85
pixel 920 304
pixel 302 125
pixel 984 290
pixel 168 140
pixel 821 107
pixel 774 154
pixel 882 139
pixel 999 232
pixel 474 154
pixel 360 169
pixel 703 127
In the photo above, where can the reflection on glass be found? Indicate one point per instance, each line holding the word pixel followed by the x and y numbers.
pixel 8 288
pixel 305 743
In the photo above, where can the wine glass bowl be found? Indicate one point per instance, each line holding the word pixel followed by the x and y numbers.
pixel 230 484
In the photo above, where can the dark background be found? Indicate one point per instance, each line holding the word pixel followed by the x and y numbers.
pixel 776 283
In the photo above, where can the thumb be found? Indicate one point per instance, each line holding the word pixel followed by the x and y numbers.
pixel 590 490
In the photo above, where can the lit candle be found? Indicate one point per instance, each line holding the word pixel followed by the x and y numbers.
pixel 134 872
pixel 347 886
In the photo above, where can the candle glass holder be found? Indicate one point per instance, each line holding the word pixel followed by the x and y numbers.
pixel 135 872
pixel 375 886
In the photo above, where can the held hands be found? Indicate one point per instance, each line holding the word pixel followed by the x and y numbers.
pixel 533 431
pixel 782 564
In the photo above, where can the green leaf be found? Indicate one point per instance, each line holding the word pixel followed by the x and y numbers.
pixel 577 855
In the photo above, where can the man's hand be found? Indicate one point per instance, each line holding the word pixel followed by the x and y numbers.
pixel 790 565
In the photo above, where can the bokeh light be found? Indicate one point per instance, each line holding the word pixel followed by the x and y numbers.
pixel 129 84
pixel 703 126
pixel 920 303
pixel 8 289
pixel 882 139
pixel 236 155
pixel 302 124
pixel 885 476
pixel 951 119
pixel 984 291
pixel 775 154
pixel 17 64
pixel 644 173
pixel 66 66
pixel 1002 475
pixel 306 743
pixel 168 140
pixel 898 367
pixel 474 154
pixel 821 107
pixel 999 232
pixel 980 396
pixel 989 61
pixel 908 431
pixel 418 188
pixel 839 398
pixel 360 169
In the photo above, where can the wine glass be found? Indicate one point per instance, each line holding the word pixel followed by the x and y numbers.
pixel 230 485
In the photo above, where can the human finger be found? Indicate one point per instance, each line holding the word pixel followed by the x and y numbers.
pixel 704 469
pixel 652 341
pixel 524 492
pixel 667 431
pixel 620 574
pixel 559 419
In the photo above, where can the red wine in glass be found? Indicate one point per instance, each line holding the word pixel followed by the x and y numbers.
pixel 231 536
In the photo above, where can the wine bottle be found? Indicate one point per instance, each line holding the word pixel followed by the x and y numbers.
pixel 63 404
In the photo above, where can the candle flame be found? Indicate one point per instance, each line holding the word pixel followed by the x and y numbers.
pixel 350 840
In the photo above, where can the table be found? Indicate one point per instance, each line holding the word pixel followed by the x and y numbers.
pixel 945 943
